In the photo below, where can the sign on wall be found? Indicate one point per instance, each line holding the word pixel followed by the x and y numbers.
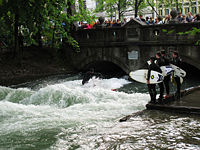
pixel 133 55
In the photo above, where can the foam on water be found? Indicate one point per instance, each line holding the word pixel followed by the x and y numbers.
pixel 65 105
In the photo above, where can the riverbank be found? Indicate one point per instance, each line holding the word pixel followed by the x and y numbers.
pixel 35 63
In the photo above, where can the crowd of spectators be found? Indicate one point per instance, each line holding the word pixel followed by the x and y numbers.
pixel 107 23
pixel 181 18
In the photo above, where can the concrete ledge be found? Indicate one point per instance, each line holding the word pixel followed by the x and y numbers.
pixel 178 109
pixel 184 105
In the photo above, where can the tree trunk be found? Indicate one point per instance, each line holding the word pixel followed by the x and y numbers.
pixel 16 37
pixel 136 8
pixel 39 37
pixel 70 9
pixel 119 9
pixel 53 37
pixel 111 13
pixel 177 5
pixel 152 7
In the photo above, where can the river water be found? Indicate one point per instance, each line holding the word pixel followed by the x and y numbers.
pixel 59 113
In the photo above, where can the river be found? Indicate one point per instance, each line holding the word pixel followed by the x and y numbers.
pixel 59 113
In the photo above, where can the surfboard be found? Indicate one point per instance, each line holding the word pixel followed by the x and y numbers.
pixel 141 76
pixel 166 70
pixel 181 80
pixel 178 71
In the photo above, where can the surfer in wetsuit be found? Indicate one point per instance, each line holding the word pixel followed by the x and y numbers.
pixel 165 62
pixel 152 87
pixel 177 61
pixel 160 63
pixel 88 75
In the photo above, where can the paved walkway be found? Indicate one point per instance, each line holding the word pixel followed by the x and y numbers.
pixel 189 102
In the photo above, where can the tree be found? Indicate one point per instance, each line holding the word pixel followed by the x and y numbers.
pixel 40 22
pixel 137 4
pixel 124 6
pixel 113 6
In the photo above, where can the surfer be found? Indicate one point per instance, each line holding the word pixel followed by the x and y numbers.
pixel 152 87
pixel 177 61
pixel 165 62
pixel 88 75
pixel 160 63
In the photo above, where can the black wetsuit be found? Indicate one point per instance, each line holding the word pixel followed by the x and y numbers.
pixel 160 63
pixel 88 75
pixel 163 61
pixel 152 87
pixel 177 62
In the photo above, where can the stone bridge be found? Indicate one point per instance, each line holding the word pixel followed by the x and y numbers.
pixel 130 46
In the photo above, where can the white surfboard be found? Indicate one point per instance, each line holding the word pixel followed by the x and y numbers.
pixel 181 80
pixel 141 76
pixel 166 70
pixel 178 71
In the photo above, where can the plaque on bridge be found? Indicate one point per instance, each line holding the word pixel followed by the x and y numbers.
pixel 132 33
pixel 133 55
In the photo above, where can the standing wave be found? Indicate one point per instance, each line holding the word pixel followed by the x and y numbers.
pixel 49 110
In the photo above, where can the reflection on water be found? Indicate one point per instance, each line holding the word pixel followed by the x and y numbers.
pixel 150 130
pixel 60 113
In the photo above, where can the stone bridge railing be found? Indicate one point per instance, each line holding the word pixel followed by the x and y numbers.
pixel 170 33
pixel 136 32
pixel 116 34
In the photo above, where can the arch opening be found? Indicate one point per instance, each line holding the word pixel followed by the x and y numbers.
pixel 191 70
pixel 106 68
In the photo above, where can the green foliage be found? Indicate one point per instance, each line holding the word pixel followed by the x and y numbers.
pixel 141 5
pixel 112 6
pixel 192 32
pixel 198 42
pixel 170 31
pixel 123 6
pixel 48 20
pixel 164 30
pixel 74 43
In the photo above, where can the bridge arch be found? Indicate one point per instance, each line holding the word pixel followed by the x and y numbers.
pixel 93 60
pixel 191 66
pixel 191 62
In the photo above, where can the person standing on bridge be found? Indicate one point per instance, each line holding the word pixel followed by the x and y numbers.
pixel 177 61
pixel 152 87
